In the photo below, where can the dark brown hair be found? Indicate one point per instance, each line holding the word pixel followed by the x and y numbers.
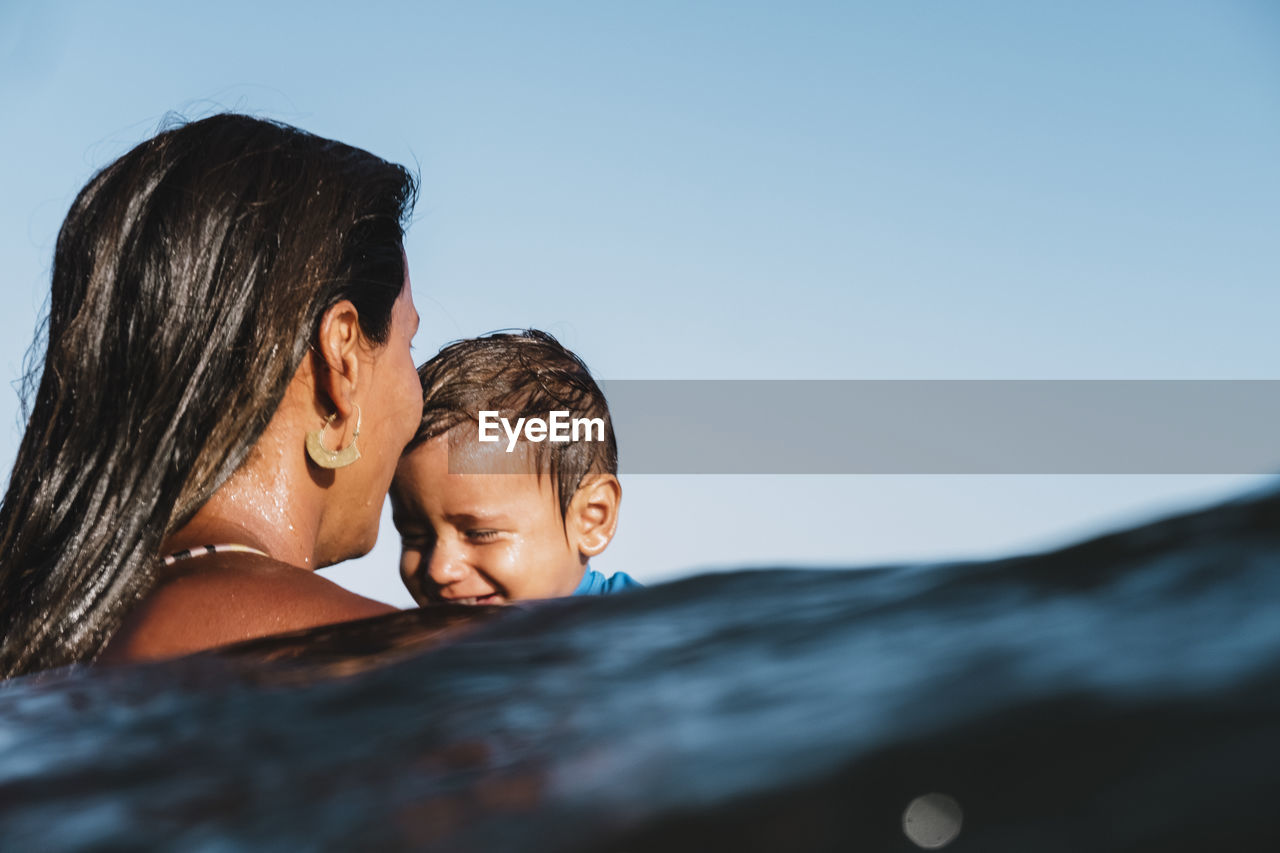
pixel 521 374
pixel 189 280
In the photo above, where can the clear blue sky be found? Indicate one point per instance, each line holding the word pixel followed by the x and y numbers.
pixel 747 190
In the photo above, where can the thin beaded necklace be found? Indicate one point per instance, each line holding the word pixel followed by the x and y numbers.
pixel 204 550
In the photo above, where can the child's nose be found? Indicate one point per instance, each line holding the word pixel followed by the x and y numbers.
pixel 446 565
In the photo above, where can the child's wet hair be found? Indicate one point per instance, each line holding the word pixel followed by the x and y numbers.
pixel 520 374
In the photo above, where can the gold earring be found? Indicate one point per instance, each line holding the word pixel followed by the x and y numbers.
pixel 326 458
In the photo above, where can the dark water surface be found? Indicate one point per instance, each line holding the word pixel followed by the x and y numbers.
pixel 1122 694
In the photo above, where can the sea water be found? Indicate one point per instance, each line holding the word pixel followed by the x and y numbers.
pixel 1122 694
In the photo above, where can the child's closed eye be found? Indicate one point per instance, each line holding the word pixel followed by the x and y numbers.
pixel 416 540
pixel 481 535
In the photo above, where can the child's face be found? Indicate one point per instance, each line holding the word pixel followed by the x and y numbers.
pixel 479 538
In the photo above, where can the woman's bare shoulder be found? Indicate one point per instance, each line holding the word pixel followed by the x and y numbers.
pixel 226 601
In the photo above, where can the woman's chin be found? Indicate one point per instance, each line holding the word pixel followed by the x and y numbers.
pixel 339 552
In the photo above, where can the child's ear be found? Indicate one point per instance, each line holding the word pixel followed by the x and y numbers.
pixel 593 513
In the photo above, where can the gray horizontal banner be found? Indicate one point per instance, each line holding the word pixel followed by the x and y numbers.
pixel 945 426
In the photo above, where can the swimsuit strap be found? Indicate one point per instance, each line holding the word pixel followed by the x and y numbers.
pixel 203 550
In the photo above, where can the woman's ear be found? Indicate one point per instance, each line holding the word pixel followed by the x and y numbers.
pixel 593 513
pixel 337 351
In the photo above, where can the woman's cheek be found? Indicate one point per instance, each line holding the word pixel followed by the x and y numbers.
pixel 411 411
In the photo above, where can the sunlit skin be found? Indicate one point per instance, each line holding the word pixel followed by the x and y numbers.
pixel 302 516
pixel 494 538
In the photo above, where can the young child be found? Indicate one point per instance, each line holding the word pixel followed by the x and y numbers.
pixel 491 509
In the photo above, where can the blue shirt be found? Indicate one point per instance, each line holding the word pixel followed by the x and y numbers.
pixel 594 583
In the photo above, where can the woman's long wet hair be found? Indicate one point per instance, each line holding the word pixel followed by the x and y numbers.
pixel 189 281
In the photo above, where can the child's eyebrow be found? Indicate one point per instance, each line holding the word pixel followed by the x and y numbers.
pixel 475 517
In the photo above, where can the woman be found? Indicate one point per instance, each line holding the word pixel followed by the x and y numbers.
pixel 228 363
